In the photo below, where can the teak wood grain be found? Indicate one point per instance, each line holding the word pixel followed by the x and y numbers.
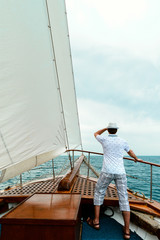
pixel 44 216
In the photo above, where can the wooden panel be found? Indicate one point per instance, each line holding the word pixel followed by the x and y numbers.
pixel 52 207
pixel 36 232
pixel 144 208
pixel 44 216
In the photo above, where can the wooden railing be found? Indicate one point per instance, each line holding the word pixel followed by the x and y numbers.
pixel 130 159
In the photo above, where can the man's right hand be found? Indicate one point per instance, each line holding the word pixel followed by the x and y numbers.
pixel 132 154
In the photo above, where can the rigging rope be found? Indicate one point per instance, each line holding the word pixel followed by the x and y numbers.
pixel 143 180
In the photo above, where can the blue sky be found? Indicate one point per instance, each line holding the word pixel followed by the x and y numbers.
pixel 116 60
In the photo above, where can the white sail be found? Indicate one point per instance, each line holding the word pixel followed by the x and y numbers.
pixel 38 111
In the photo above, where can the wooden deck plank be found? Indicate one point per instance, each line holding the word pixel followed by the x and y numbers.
pixel 145 208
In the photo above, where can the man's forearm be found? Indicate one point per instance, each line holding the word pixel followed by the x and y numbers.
pixel 132 154
pixel 99 132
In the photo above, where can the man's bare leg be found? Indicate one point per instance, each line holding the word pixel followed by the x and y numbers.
pixel 126 217
pixel 96 213
pixel 95 222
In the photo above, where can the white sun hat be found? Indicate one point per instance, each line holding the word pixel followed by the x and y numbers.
pixel 112 125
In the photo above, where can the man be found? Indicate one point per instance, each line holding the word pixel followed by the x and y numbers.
pixel 112 169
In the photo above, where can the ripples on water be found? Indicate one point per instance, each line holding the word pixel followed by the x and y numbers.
pixel 137 170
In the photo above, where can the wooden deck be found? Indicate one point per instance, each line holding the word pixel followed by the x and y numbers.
pixel 85 187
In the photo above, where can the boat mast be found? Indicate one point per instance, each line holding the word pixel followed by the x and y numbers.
pixel 73 78
pixel 58 82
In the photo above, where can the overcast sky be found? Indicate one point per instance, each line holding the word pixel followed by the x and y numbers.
pixel 116 60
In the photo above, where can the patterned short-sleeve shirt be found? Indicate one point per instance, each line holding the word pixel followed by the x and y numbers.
pixel 113 148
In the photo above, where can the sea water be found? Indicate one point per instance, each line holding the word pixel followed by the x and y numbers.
pixel 138 174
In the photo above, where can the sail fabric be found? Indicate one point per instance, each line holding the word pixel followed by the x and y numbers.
pixel 38 111
pixel 64 68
